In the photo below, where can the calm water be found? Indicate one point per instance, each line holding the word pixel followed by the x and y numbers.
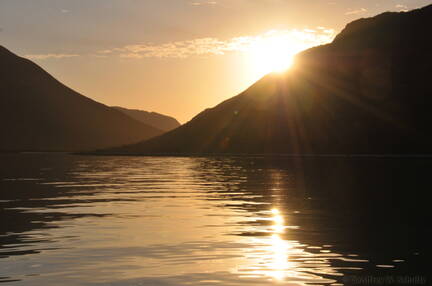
pixel 72 220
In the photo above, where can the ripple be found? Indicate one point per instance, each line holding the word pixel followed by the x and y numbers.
pixel 199 221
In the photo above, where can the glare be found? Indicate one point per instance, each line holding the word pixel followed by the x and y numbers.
pixel 278 221
pixel 279 248
pixel 280 261
pixel 273 52
pixel 277 258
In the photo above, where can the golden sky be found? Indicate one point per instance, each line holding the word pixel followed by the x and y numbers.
pixel 176 57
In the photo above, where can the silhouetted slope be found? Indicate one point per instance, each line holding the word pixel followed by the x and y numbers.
pixel 39 113
pixel 157 120
pixel 367 92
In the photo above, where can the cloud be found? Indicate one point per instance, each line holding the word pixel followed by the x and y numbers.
pixel 355 12
pixel 294 40
pixel 105 52
pixel 131 56
pixel 300 39
pixel 402 8
pixel 49 56
pixel 202 3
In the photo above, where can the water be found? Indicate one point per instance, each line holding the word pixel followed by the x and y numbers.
pixel 76 220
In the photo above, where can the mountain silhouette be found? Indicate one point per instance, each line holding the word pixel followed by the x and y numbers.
pixel 157 120
pixel 367 92
pixel 38 113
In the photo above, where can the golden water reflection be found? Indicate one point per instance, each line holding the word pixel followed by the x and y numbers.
pixel 279 248
pixel 132 221
pixel 282 260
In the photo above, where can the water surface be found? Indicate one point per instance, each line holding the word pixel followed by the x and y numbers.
pixel 75 220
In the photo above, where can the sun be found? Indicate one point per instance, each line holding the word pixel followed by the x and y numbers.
pixel 272 52
pixel 271 55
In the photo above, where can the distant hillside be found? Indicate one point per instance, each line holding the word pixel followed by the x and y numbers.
pixel 157 120
pixel 38 113
pixel 367 92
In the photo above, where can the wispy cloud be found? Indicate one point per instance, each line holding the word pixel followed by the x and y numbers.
pixel 355 12
pixel 294 40
pixel 402 8
pixel 49 56
pixel 202 3
pixel 300 39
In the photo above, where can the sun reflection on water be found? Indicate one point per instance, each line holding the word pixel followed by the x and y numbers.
pixel 279 248
pixel 278 222
pixel 272 251
pixel 281 260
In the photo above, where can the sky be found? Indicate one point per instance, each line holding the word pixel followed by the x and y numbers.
pixel 176 57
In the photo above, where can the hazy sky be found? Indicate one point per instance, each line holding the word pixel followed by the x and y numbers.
pixel 175 57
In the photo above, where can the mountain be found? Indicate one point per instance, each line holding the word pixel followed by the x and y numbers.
pixel 366 92
pixel 38 113
pixel 157 120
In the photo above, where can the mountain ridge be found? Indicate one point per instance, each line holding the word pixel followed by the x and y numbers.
pixel 157 120
pixel 39 113
pixel 356 95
